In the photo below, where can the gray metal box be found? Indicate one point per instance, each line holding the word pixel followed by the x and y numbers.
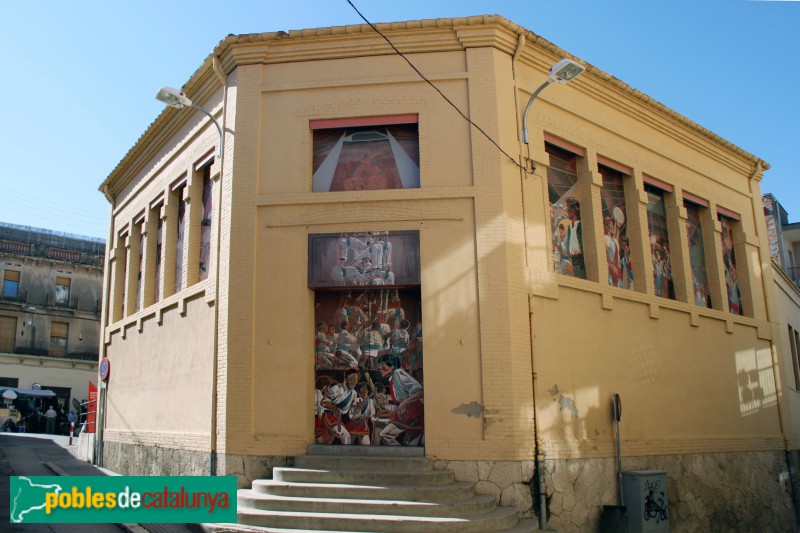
pixel 645 494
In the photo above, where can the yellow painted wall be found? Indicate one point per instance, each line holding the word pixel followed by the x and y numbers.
pixel 690 379
pixel 788 301
pixel 280 398
pixel 162 355
pixel 161 378
pixel 493 311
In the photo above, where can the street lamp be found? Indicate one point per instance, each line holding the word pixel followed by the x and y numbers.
pixel 175 98
pixel 563 72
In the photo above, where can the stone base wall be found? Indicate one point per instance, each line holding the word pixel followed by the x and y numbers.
pixel 508 481
pixel 139 460
pixel 721 492
pixel 794 465
pixel 248 468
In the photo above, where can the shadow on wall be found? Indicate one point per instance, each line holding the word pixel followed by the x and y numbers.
pixel 756 381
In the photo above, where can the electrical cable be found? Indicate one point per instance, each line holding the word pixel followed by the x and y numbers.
pixel 429 82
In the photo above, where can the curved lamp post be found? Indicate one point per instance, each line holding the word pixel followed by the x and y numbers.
pixel 175 98
pixel 563 72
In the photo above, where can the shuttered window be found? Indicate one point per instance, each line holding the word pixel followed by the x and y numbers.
pixel 59 332
pixel 8 333
pixel 11 284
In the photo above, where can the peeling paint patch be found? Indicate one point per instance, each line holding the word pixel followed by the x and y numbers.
pixel 553 390
pixel 568 404
pixel 472 409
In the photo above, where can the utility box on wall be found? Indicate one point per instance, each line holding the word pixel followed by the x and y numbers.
pixel 645 495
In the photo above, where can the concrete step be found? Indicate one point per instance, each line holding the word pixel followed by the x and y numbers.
pixel 362 476
pixel 523 526
pixel 478 504
pixel 528 525
pixel 459 490
pixel 366 451
pixel 497 520
pixel 363 462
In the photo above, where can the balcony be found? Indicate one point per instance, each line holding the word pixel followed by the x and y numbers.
pixel 12 247
pixel 47 301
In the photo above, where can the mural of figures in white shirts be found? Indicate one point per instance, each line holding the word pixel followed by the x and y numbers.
pixel 368 342
pixel 374 258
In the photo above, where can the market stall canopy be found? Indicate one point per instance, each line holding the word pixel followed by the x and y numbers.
pixel 29 392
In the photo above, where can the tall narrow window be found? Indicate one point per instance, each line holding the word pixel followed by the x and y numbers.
pixel 729 261
pixel 565 212
pixel 127 252
pixel 179 243
pixel 205 225
pixel 794 345
pixel 139 277
pixel 8 334
pixel 697 256
pixel 59 332
pixel 615 228
pixel 62 290
pixel 11 284
pixel 159 266
pixel 659 243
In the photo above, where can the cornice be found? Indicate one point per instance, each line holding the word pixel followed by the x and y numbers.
pixel 417 36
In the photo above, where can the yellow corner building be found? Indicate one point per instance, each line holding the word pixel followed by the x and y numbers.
pixel 272 261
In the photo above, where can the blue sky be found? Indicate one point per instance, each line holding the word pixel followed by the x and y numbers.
pixel 79 78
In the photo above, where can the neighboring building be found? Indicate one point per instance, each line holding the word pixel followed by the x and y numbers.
pixel 50 310
pixel 784 238
pixel 352 205
pixel 784 245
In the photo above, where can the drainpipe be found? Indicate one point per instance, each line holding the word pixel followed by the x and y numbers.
pixel 213 437
pixel 539 456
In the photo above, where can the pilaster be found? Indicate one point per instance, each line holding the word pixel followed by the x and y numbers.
pixel 679 246
pixel 638 235
pixel 715 269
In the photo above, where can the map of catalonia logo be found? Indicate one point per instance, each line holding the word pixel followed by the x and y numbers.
pixel 122 499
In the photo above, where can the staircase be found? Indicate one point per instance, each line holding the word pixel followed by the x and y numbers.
pixel 371 488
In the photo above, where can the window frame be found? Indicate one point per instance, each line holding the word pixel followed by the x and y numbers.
pixel 56 351
pixel 8 275
pixel 68 285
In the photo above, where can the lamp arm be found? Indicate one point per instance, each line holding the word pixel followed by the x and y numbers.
pixel 219 129
pixel 528 107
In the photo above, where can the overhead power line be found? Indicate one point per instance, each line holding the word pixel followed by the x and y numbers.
pixel 429 82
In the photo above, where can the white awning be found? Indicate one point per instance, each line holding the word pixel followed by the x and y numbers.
pixel 47 393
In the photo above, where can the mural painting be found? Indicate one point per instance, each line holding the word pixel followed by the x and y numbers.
pixel 159 244
pixel 729 261
pixel 659 243
pixel 377 258
pixel 366 158
pixel 770 212
pixel 617 244
pixel 205 224
pixel 368 352
pixel 179 243
pixel 565 213
pixel 697 256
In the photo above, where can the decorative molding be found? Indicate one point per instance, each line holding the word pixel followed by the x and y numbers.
pixel 432 35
